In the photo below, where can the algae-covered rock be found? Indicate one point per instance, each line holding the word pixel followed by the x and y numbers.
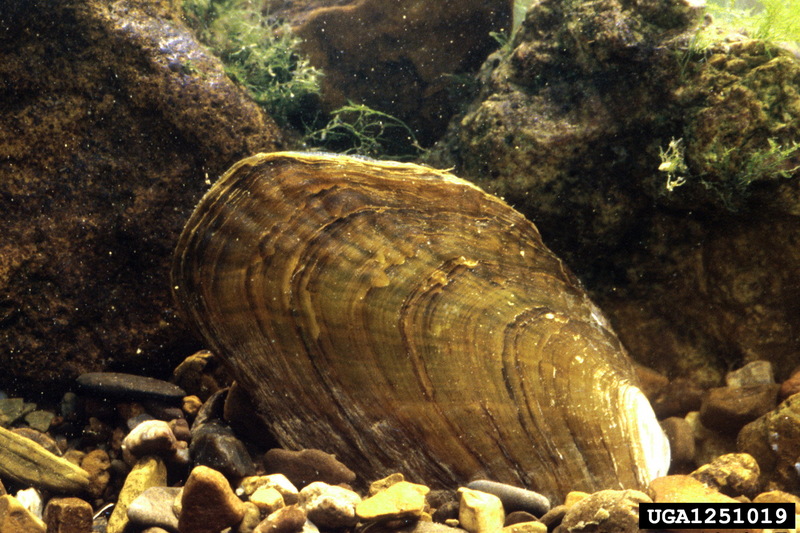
pixel 656 168
pixel 113 120
pixel 403 58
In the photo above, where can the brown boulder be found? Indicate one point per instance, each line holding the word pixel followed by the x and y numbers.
pixel 398 57
pixel 113 121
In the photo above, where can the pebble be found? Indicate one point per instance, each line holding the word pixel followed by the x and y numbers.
pixel 773 441
pixel 709 444
pixel 728 409
pixel 15 518
pixel 97 464
pixel 26 461
pixel 574 496
pixel 208 504
pixel 329 506
pixel 44 440
pixel 789 387
pixel 480 512
pixel 526 527
pixel 517 517
pixel 201 375
pixel 382 484
pixel 31 499
pixel 267 499
pixel 753 373
pixel 399 501
pixel 304 466
pixel 289 519
pixel 151 437
pixel 68 515
pixel 777 496
pixel 554 516
pixel 446 511
pixel 191 405
pixel 420 526
pixel 155 507
pixel 278 482
pixel 684 489
pixel 147 472
pixel 681 442
pixel 513 498
pixel 679 398
pixel 610 511
pixel 129 387
pixel 251 519
pixel 215 445
pixel 733 474
pixel 39 420
pixel 180 428
pixel 11 410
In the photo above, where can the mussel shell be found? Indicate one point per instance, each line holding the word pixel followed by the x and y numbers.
pixel 404 320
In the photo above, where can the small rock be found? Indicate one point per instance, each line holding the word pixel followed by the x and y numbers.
pixel 681 442
pixel 789 387
pixel 11 410
pixel 251 519
pixel 14 518
pixel 399 501
pixel 518 517
pixel 152 437
pixel 753 373
pixel 774 441
pixel 68 515
pixel 526 527
pixel 44 440
pixel 191 405
pixel 728 409
pixel 733 474
pixel 610 511
pixel 419 526
pixel 289 519
pixel 26 461
pixel 147 472
pixel 154 507
pixel 268 500
pixel 480 512
pixel 709 444
pixel 129 387
pixel 278 482
pixel 382 484
pixel 180 428
pixel 304 466
pixel 40 420
pixel 201 375
pixel 329 506
pixel 777 496
pixel 684 489
pixel 554 516
pixel 97 464
pixel 446 511
pixel 574 496
pixel 31 499
pixel 513 498
pixel 215 445
pixel 208 504
pixel 677 399
pixel 651 383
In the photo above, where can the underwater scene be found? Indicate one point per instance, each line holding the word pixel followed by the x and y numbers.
pixel 413 266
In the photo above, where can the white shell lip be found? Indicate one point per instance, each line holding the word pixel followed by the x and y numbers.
pixel 652 452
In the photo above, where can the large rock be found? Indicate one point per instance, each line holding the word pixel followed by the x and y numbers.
pixel 569 126
pixel 403 58
pixel 113 121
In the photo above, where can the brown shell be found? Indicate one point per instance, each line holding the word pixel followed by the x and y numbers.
pixel 404 320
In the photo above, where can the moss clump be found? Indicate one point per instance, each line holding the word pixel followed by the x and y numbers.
pixel 361 130
pixel 259 52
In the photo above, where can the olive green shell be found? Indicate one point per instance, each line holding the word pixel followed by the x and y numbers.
pixel 405 320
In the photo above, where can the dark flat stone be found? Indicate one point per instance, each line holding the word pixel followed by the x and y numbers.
pixel 128 386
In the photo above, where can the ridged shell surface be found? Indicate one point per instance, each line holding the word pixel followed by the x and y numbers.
pixel 404 320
